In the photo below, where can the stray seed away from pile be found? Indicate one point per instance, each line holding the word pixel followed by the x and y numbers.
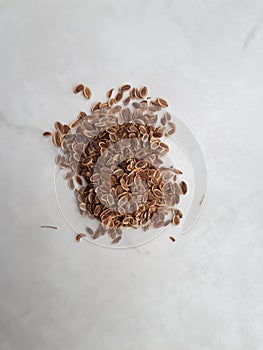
pixel 79 236
pixel 172 239
pixel 113 156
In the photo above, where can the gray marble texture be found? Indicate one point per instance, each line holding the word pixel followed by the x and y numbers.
pixel 205 291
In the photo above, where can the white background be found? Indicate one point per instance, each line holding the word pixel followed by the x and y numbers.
pixel 202 292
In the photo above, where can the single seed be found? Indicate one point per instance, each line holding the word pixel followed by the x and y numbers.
pixel 47 133
pixel 95 106
pixel 87 92
pixel 79 236
pixel 144 92
pixel 49 226
pixel 172 239
pixel 162 102
pixel 125 87
pixel 183 186
pixel 78 88
pixel 109 93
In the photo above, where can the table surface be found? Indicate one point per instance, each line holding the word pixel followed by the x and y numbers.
pixel 202 292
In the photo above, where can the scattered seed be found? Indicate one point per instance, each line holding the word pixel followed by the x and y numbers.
pixel 183 186
pixel 79 236
pixel 47 133
pixel 172 239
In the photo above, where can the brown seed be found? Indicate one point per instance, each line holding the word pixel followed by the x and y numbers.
pixel 137 93
pixel 89 230
pixel 162 102
pixel 172 239
pixel 111 102
pixel 95 106
pixel 119 96
pixel 176 220
pixel 125 87
pixel 116 240
pixel 127 101
pixel 183 186
pixel 78 88
pixel 47 133
pixel 109 93
pixel 79 180
pixel 60 127
pixel 87 92
pixel 56 139
pixel 143 92
pixel 79 236
pixel 71 184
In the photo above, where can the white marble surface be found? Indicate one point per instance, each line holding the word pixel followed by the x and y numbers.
pixel 205 291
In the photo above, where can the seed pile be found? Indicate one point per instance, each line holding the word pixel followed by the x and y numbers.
pixel 113 156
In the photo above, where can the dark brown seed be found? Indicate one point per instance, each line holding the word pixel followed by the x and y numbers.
pixel 183 186
pixel 79 236
pixel 127 101
pixel 109 93
pixel 119 96
pixel 87 92
pixel 47 133
pixel 95 106
pixel 162 102
pixel 172 239
pixel 78 88
pixel 125 87
pixel 79 180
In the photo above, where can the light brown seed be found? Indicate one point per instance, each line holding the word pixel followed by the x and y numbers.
pixel 111 102
pixel 109 93
pixel 176 220
pixel 78 88
pixel 137 93
pixel 56 139
pixel 47 133
pixel 87 92
pixel 60 127
pixel 79 236
pixel 162 102
pixel 125 87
